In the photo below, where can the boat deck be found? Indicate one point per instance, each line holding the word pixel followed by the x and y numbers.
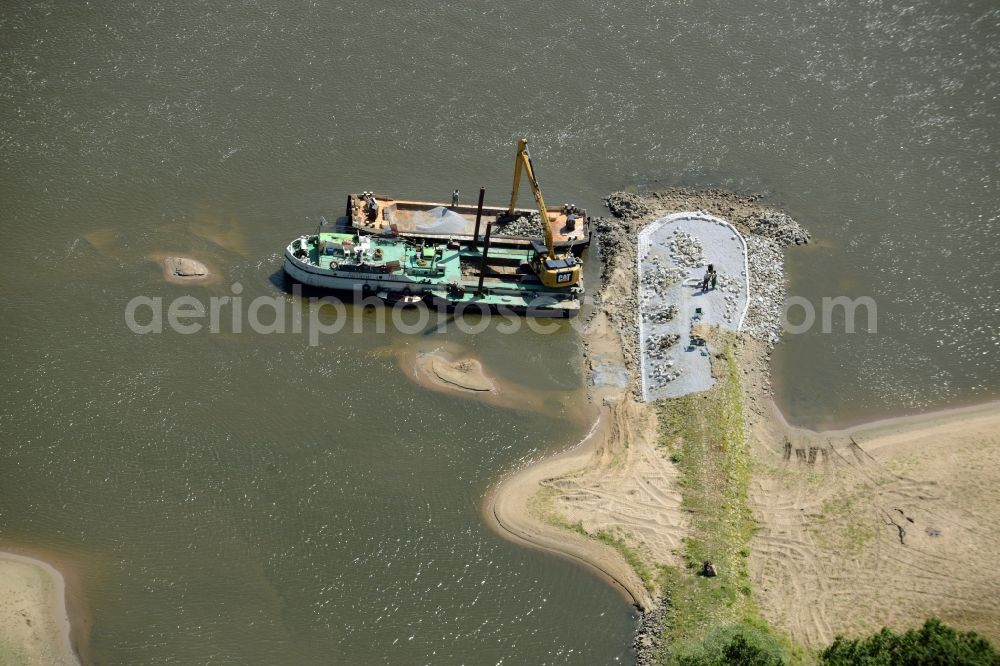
pixel 405 217
pixel 436 263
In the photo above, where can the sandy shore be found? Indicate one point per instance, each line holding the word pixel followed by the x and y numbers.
pixel 508 509
pixel 884 524
pixel 440 370
pixel 34 628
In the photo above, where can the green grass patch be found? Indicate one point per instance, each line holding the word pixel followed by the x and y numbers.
pixel 714 619
pixel 542 506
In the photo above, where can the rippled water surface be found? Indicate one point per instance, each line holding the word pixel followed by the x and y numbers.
pixel 237 498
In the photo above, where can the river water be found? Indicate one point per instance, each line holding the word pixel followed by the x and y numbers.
pixel 244 498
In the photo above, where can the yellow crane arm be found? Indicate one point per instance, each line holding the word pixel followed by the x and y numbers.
pixel 523 161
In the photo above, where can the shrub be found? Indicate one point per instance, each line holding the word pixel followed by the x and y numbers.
pixel 934 643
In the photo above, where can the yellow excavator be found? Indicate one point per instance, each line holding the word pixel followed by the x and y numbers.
pixel 554 271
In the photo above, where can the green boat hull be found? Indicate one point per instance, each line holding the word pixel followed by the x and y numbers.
pixel 445 275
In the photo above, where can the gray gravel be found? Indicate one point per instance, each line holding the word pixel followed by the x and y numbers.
pixel 767 290
pixel 779 227
pixel 686 250
pixel 648 641
pixel 674 253
pixel 627 206
pixel 523 226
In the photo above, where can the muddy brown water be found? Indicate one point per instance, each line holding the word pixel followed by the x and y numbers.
pixel 241 498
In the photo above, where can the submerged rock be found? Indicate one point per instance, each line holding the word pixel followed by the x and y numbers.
pixel 465 374
pixel 183 270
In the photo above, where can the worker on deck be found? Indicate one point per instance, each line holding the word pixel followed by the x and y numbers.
pixel 454 199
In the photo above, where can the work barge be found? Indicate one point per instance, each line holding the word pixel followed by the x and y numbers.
pixel 411 252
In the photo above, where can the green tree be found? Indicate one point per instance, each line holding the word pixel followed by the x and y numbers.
pixel 933 644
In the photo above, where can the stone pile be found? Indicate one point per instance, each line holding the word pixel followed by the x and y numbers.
pixel 616 241
pixel 654 274
pixel 686 250
pixel 657 276
pixel 779 227
pixel 655 281
pixel 626 205
pixel 530 227
pixel 662 368
pixel 660 315
pixel 658 345
pixel 765 312
pixel 649 635
pixel 604 225
pixel 664 372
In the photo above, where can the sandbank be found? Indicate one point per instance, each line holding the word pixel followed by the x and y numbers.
pixel 34 627
pixel 179 269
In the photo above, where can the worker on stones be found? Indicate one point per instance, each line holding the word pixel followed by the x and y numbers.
pixel 713 275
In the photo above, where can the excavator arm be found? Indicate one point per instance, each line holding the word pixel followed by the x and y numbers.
pixel 562 271
pixel 523 162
